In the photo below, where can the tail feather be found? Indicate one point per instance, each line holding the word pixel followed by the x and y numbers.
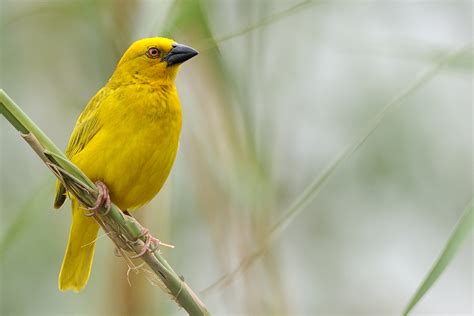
pixel 77 262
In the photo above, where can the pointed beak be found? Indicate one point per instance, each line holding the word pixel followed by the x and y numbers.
pixel 179 54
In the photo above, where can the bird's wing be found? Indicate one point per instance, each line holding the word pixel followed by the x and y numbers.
pixel 86 128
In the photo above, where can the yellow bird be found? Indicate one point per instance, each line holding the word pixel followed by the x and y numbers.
pixel 126 140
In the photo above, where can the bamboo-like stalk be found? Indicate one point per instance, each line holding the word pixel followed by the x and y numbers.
pixel 123 230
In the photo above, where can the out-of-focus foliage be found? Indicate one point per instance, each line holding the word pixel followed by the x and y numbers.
pixel 279 90
pixel 460 234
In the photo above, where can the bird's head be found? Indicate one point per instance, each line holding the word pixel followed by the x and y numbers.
pixel 154 60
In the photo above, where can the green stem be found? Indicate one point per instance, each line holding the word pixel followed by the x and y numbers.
pixel 15 115
pixel 126 230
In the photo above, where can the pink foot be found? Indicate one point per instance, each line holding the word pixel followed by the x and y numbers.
pixel 103 200
pixel 151 244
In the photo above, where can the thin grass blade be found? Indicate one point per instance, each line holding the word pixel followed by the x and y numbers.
pixel 458 236
pixel 268 20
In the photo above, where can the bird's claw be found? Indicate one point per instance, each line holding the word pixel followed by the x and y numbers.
pixel 151 244
pixel 149 240
pixel 103 200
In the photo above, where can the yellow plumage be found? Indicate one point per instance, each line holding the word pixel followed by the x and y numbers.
pixel 127 137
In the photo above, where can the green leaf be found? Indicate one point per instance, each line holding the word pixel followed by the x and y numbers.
pixel 460 233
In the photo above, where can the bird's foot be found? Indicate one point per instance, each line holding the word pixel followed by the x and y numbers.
pixel 151 244
pixel 103 200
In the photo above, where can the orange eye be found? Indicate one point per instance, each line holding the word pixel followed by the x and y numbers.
pixel 153 52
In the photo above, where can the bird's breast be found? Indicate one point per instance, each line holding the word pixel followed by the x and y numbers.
pixel 135 149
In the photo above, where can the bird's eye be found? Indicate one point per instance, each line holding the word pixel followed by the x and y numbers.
pixel 153 52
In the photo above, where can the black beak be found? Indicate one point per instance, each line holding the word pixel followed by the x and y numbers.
pixel 179 54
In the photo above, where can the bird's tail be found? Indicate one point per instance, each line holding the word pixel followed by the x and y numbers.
pixel 77 262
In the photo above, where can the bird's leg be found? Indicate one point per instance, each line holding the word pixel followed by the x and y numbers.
pixel 103 200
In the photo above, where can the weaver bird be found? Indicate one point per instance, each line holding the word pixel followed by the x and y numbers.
pixel 126 141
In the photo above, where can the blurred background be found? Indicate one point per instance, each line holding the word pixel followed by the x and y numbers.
pixel 281 88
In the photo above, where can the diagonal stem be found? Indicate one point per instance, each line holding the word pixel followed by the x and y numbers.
pixel 124 230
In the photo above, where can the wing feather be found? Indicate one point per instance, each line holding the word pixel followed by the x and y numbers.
pixel 86 128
